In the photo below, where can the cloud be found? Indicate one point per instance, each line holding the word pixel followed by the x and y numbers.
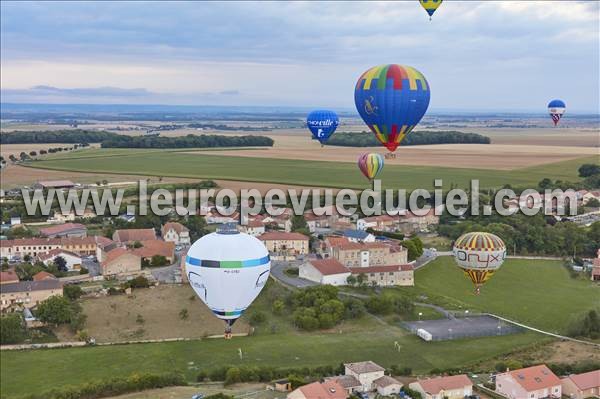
pixel 501 53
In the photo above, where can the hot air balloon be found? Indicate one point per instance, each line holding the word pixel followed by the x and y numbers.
pixel 556 109
pixel 479 255
pixel 370 165
pixel 322 123
pixel 391 99
pixel 430 6
pixel 227 270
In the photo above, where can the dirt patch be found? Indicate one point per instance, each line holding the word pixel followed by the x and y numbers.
pixel 206 389
pixel 152 313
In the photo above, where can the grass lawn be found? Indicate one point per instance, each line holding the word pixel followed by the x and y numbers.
pixel 536 292
pixel 51 368
pixel 343 175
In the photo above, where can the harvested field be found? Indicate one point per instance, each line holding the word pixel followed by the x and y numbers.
pixel 115 318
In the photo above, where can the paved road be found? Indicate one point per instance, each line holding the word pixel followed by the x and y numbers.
pixel 277 271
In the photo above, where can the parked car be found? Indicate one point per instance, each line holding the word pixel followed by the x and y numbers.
pixel 198 396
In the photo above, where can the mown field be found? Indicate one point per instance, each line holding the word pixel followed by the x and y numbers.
pixel 540 293
pixel 289 171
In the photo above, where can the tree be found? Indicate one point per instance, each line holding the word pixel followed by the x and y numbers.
pixel 257 317
pixel 33 153
pixel 593 203
pixel 183 314
pixel 137 244
pixel 158 260
pixel 55 310
pixel 299 224
pixel 232 376
pixel 361 279
pixel 196 225
pixel 12 329
pixel 351 280
pixel 72 292
pixel 589 169
pixel 278 307
pixel 60 263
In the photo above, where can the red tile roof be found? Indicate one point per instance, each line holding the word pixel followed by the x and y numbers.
pixel 281 235
pixel 534 378
pixel 435 385
pixel 255 224
pixel 128 235
pixel 9 276
pixel 114 254
pixel 364 367
pixel 43 276
pixel 178 227
pixel 586 381
pixel 334 241
pixel 323 390
pixel 54 253
pixel 328 266
pixel 61 228
pixel 155 247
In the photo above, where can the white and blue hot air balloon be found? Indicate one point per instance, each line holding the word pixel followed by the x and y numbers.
pixel 556 109
pixel 227 270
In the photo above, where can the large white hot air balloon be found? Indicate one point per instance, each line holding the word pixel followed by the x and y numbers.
pixel 227 270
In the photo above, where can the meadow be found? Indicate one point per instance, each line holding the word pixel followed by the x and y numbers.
pixel 539 293
pixel 306 173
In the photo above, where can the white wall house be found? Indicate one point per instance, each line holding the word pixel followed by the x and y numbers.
pixel 73 261
pixel 366 373
pixel 324 271
pixel 176 233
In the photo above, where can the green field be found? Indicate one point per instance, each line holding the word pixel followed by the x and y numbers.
pixel 537 293
pixel 540 293
pixel 338 175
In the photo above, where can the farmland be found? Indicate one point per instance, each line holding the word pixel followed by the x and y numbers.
pixel 288 171
pixel 527 291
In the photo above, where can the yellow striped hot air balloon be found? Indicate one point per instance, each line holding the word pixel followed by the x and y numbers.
pixel 479 254
pixel 430 6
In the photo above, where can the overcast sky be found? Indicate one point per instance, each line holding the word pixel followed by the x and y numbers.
pixel 502 55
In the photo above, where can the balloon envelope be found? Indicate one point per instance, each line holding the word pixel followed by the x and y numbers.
pixel 556 109
pixel 391 99
pixel 322 123
pixel 479 255
pixel 430 5
pixel 227 270
pixel 370 165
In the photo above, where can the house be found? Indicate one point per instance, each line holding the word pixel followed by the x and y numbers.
pixel 387 386
pixel 319 390
pixel 120 262
pixel 15 221
pixel 9 276
pixel 532 382
pixel 215 217
pixel 581 386
pixel 324 271
pixel 104 245
pixel 254 228
pixel 362 254
pixel 385 276
pixel 285 246
pixel 129 236
pixel 349 383
pixel 35 246
pixel 43 275
pixel 176 233
pixel 410 223
pixel 282 385
pixel 358 236
pixel 65 230
pixel 451 387
pixel 151 248
pixel 379 223
pixel 27 294
pixel 365 373
pixel 56 184
pixel 71 216
pixel 596 267
pixel 73 261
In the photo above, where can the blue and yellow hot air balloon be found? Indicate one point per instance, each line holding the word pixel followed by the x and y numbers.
pixel 391 99
pixel 430 6
pixel 322 124
pixel 370 165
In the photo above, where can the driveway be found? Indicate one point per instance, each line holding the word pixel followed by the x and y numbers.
pixel 277 271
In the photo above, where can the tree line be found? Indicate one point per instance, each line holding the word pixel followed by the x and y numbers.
pixel 55 136
pixel 367 139
pixel 189 141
